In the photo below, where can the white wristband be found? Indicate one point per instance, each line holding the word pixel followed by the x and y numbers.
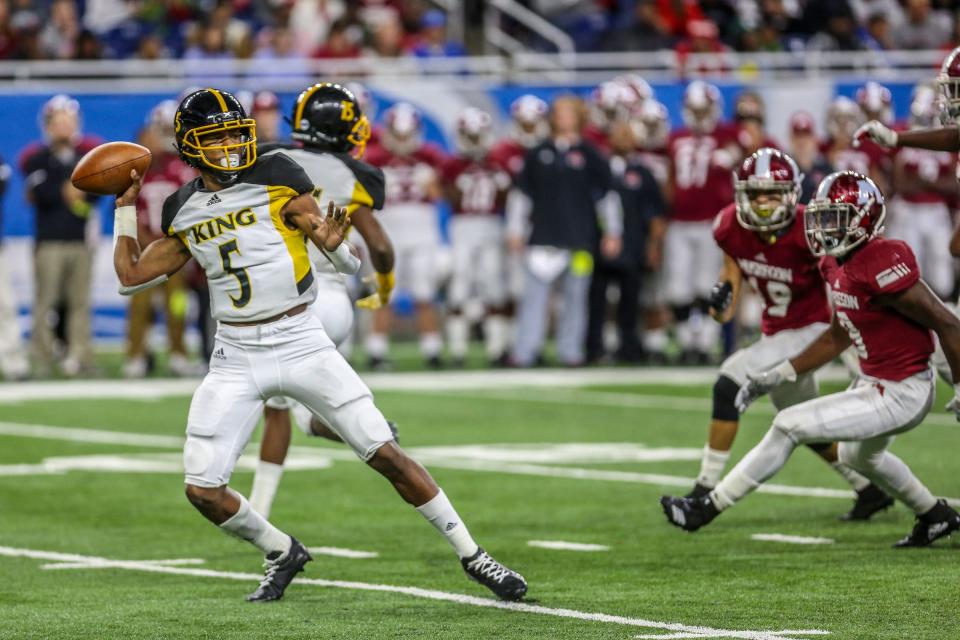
pixel 786 371
pixel 343 260
pixel 125 222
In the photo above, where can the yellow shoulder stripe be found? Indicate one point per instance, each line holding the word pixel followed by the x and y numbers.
pixel 294 239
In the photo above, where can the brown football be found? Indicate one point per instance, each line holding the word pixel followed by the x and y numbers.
pixel 105 170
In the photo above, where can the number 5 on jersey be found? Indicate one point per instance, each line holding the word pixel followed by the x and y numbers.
pixel 240 274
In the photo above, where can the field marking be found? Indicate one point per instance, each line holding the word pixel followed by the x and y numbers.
pixel 417 592
pixel 780 537
pixel 339 552
pixel 154 389
pixel 560 545
pixel 426 455
pixel 90 564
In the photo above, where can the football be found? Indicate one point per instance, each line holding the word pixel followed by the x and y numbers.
pixel 105 170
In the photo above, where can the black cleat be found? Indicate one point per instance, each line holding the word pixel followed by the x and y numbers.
pixel 698 491
pixel 394 430
pixel 937 523
pixel 379 364
pixel 871 500
pixel 505 583
pixel 688 513
pixel 433 363
pixel 280 573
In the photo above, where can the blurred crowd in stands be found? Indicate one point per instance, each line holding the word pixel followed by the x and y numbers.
pixel 341 29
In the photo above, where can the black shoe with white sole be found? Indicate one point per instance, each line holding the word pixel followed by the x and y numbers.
pixel 698 491
pixel 688 513
pixel 937 523
pixel 504 582
pixel 870 501
pixel 280 572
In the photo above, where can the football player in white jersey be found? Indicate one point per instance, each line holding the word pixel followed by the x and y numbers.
pixel 333 130
pixel 246 221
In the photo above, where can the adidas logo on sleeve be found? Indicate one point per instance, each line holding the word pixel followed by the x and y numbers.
pixel 892 274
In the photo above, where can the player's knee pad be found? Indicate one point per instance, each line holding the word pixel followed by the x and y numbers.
pixel 361 425
pixel 856 456
pixel 198 454
pixel 791 424
pixel 724 394
pixel 302 417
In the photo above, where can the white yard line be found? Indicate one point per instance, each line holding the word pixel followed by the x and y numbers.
pixel 96 564
pixel 779 537
pixel 339 552
pixel 416 592
pixel 156 388
pixel 561 545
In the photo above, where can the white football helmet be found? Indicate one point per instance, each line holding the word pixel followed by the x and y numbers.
pixel 926 107
pixel 651 125
pixel 610 101
pixel 702 106
pixel 529 120
pixel 403 133
pixel 875 102
pixel 474 132
pixel 843 117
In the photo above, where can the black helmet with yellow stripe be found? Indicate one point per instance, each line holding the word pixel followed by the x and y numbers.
pixel 210 111
pixel 327 116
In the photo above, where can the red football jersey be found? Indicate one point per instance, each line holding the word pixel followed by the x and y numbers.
pixel 476 186
pixel 890 345
pixel 167 173
pixel 408 176
pixel 784 273
pixel 925 165
pixel 509 154
pixel 700 167
pixel 869 158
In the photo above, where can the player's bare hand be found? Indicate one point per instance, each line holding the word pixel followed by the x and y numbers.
pixel 337 223
pixel 611 246
pixel 129 197
pixel 877 132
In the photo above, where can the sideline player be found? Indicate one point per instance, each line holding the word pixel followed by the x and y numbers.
pixel 333 130
pixel 764 244
pixel 245 220
pixel 476 187
pixel 883 309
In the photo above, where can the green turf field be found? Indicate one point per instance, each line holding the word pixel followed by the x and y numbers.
pixel 85 516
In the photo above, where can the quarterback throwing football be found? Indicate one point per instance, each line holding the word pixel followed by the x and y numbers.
pixel 245 220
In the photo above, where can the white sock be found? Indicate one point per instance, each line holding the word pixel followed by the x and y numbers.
pixel 496 333
pixel 431 344
pixel 857 481
pixel 896 478
pixel 758 466
pixel 377 345
pixel 458 335
pixel 655 340
pixel 249 525
pixel 441 514
pixel 712 466
pixel 265 483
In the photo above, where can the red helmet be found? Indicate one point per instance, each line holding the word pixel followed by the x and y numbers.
pixel 474 132
pixel 702 104
pixel 949 82
pixel 767 172
pixel 403 133
pixel 847 211
pixel 875 102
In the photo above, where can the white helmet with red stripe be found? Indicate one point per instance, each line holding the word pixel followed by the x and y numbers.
pixel 640 88
pixel 364 99
pixel 702 106
pixel 876 102
pixel 843 117
pixel 926 107
pixel 529 115
pixel 771 173
pixel 610 101
pixel 474 132
pixel 847 211
pixel 651 125
pixel 949 83
pixel 403 133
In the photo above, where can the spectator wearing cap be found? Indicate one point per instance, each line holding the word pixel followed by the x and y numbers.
pixel 805 149
pixel 923 28
pixel 266 111
pixel 433 42
pixel 63 257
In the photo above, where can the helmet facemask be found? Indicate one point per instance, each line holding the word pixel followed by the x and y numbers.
pixel 834 229
pixel 224 161
pixel 776 213
pixel 950 88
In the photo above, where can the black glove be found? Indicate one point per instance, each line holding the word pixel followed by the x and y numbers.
pixel 721 296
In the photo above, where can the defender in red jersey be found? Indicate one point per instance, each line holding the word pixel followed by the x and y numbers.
pixel 883 309
pixel 411 168
pixel 926 192
pixel 843 117
pixel 476 187
pixel 701 156
pixel 166 174
pixel 764 244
